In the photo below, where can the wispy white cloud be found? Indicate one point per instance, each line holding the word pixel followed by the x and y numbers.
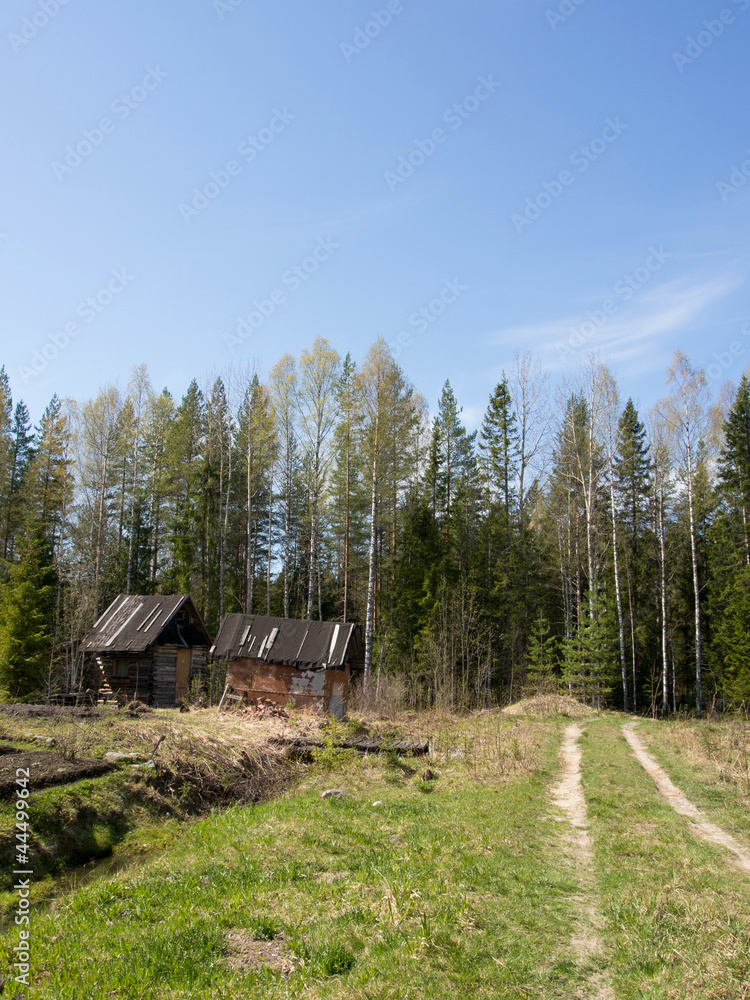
pixel 636 333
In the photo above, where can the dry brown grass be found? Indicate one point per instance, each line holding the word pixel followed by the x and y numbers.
pixel 549 704
pixel 724 746
pixel 203 757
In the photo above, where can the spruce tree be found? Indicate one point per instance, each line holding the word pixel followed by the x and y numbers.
pixel 734 471
pixel 27 603
pixel 541 659
pixel 498 447
pixel 633 492
pixel 20 453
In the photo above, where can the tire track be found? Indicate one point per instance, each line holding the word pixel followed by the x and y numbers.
pixel 568 797
pixel 682 805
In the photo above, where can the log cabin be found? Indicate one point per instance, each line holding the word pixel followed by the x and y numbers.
pixel 284 661
pixel 148 649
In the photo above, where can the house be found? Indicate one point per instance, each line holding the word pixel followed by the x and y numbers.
pixel 283 661
pixel 146 648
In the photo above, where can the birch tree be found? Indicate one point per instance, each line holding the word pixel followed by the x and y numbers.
pixel 283 385
pixel 685 411
pixel 317 403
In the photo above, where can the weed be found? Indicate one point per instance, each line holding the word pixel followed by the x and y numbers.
pixel 333 960
pixel 332 754
pixel 265 929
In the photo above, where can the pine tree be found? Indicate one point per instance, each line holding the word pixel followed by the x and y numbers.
pixel 21 452
pixel 27 604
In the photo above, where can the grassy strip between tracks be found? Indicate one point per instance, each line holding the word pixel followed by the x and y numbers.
pixel 710 762
pixel 677 913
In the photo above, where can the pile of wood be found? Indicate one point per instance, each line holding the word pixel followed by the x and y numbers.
pixel 264 708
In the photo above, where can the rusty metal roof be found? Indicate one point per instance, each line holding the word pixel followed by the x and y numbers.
pixel 309 644
pixel 132 623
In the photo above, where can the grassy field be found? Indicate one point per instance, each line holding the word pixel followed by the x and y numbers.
pixel 462 885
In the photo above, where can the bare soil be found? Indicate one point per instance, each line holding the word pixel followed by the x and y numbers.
pixel 568 797
pixel 682 805
pixel 245 954
pixel 44 768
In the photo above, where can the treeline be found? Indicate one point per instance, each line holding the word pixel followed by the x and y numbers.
pixel 569 543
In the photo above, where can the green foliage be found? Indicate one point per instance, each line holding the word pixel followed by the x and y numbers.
pixel 542 658
pixel 27 618
pixel 265 928
pixel 731 638
pixel 332 755
pixel 333 960
pixel 590 655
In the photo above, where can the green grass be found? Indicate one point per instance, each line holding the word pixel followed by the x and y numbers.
pixel 677 913
pixel 461 893
pixel 709 762
pixel 467 891
pixel 74 824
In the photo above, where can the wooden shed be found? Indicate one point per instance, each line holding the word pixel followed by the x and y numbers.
pixel 147 648
pixel 281 660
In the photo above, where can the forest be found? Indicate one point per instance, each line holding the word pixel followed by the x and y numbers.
pixel 570 543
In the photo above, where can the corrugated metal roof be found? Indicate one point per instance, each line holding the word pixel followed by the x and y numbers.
pixel 288 641
pixel 131 623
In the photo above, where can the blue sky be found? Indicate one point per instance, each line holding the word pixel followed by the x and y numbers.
pixel 532 174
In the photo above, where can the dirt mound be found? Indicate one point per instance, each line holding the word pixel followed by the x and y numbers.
pixel 548 704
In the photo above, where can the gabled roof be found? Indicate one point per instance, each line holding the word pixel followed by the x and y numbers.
pixel 309 644
pixel 132 623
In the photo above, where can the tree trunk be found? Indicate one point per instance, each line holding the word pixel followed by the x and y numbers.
pixel 618 594
pixel 370 616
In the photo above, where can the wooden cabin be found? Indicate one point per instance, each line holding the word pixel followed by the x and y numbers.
pixel 285 661
pixel 147 648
